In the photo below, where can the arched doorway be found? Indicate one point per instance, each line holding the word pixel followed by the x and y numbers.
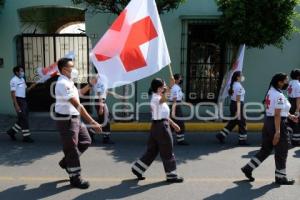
pixel 46 37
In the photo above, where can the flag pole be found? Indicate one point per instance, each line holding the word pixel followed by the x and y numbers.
pixel 172 81
pixel 170 70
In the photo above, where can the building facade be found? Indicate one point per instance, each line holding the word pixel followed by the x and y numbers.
pixel 30 37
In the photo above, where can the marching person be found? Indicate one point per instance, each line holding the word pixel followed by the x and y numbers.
pixel 275 134
pixel 294 98
pixel 101 92
pixel 160 139
pixel 237 94
pixel 68 109
pixel 175 99
pixel 18 90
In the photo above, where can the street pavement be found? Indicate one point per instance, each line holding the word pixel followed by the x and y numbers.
pixel 211 171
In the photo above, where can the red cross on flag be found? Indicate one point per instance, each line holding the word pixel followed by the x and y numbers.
pixel 237 66
pixel 134 47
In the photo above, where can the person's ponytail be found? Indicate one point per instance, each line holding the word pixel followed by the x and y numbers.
pixel 234 78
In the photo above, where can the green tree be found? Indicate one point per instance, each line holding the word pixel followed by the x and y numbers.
pixel 116 6
pixel 2 3
pixel 257 23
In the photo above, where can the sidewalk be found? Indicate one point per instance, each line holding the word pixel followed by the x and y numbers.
pixel 190 126
pixel 45 123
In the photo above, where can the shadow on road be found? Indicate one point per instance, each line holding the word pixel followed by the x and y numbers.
pixel 125 189
pixel 128 147
pixel 131 146
pixel 250 154
pixel 297 154
pixel 244 191
pixel 43 191
pixel 14 153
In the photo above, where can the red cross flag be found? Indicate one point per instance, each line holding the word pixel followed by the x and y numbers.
pixel 134 47
pixel 48 72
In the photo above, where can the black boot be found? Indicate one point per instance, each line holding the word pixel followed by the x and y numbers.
pixel 243 143
pixel 248 174
pixel 183 143
pixel 138 175
pixel 284 181
pixel 221 138
pixel 12 134
pixel 62 164
pixel 175 180
pixel 77 182
pixel 295 143
pixel 28 139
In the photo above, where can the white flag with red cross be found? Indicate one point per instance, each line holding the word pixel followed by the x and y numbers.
pixel 237 66
pixel 45 73
pixel 134 47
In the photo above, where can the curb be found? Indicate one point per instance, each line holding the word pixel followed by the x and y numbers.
pixel 189 126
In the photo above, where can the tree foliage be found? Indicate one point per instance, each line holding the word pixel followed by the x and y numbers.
pixel 116 6
pixel 2 3
pixel 257 23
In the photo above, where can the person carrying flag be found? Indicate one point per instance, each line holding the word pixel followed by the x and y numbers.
pixel 237 94
pixel 160 139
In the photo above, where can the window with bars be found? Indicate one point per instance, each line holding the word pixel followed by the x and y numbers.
pixel 203 59
pixel 42 50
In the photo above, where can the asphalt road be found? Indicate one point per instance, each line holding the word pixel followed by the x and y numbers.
pixel 211 171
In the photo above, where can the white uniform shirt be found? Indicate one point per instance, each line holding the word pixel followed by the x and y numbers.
pixel 176 92
pixel 101 88
pixel 64 91
pixel 294 89
pixel 238 90
pixel 18 85
pixel 159 111
pixel 276 100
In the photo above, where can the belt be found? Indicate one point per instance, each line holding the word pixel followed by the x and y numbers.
pixel 176 101
pixel 159 120
pixel 66 116
pixel 21 98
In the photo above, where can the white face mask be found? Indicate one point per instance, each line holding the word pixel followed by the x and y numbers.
pixel 74 74
pixel 21 75
pixel 243 78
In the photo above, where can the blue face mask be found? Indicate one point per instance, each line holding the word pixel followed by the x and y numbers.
pixel 21 75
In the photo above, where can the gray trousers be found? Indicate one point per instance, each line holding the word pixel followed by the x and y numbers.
pixel 178 114
pixel 101 118
pixel 160 142
pixel 22 124
pixel 236 122
pixel 281 149
pixel 75 140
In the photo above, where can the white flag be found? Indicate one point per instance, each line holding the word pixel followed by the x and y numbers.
pixel 237 66
pixel 134 47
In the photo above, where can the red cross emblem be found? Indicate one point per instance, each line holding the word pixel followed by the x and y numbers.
pixel 127 39
pixel 268 101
